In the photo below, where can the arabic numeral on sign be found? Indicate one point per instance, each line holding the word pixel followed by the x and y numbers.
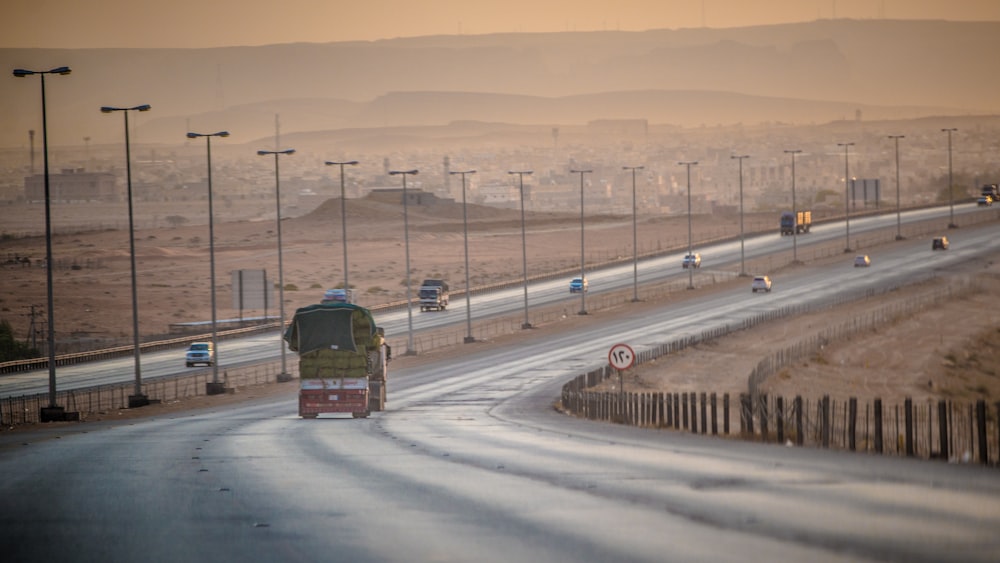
pixel 621 356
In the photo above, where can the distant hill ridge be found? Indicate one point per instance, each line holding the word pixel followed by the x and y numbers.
pixel 796 73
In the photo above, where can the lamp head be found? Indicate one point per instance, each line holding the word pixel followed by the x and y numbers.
pixel 20 72
pixel 63 70
pixel 192 135
pixel 143 107
pixel 107 109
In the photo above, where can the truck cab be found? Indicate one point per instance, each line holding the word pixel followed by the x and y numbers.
pixel 433 295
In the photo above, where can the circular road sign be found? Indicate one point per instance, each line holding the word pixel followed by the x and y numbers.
pixel 621 356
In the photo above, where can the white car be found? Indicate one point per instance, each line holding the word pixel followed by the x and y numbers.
pixel 199 353
pixel 862 261
pixel 761 283
pixel 691 261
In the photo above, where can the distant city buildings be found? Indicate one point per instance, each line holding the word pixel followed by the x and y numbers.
pixel 72 184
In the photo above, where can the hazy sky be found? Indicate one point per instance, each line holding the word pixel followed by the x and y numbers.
pixel 213 23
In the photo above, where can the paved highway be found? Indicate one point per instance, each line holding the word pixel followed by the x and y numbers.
pixel 471 463
pixel 719 260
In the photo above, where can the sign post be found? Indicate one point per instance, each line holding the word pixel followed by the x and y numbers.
pixel 621 357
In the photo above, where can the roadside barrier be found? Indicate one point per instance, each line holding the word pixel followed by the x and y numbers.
pixel 105 400
pixel 949 430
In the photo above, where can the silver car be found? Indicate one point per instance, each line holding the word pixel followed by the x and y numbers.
pixel 760 283
pixel 200 353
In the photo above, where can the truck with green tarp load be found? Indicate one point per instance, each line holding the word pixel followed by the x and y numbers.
pixel 343 358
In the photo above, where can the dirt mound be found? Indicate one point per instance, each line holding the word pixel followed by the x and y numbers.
pixel 389 208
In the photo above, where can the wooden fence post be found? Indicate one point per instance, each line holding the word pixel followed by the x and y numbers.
pixel 908 414
pixel 779 419
pixel 684 408
pixel 878 425
pixel 761 403
pixel 704 413
pixel 943 428
pixel 746 415
pixel 984 457
pixel 852 424
pixel 659 409
pixel 800 433
pixel 677 411
pixel 825 420
pixel 693 398
pixel 715 416
pixel 670 411
pixel 725 413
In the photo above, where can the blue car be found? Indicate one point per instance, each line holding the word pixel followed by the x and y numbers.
pixel 576 285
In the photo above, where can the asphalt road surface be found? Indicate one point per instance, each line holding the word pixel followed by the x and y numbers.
pixel 471 463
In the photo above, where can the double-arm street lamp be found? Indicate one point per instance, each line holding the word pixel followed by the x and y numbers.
pixel 283 376
pixel 899 225
pixel 137 399
pixel 214 387
pixel 343 215
pixel 635 237
pixel 406 243
pixel 583 271
pixel 847 197
pixel 524 245
pixel 690 269
pixel 951 185
pixel 53 411
pixel 795 211
pixel 743 270
pixel 465 228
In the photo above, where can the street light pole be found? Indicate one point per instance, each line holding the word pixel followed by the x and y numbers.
pixel 635 237
pixel 795 211
pixel 951 185
pixel 899 223
pixel 690 269
pixel 137 399
pixel 343 216
pixel 284 375
pixel 524 245
pixel 214 387
pixel 52 412
pixel 406 242
pixel 465 227
pixel 743 270
pixel 847 198
pixel 583 278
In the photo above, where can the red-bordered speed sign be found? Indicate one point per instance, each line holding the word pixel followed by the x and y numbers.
pixel 621 356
